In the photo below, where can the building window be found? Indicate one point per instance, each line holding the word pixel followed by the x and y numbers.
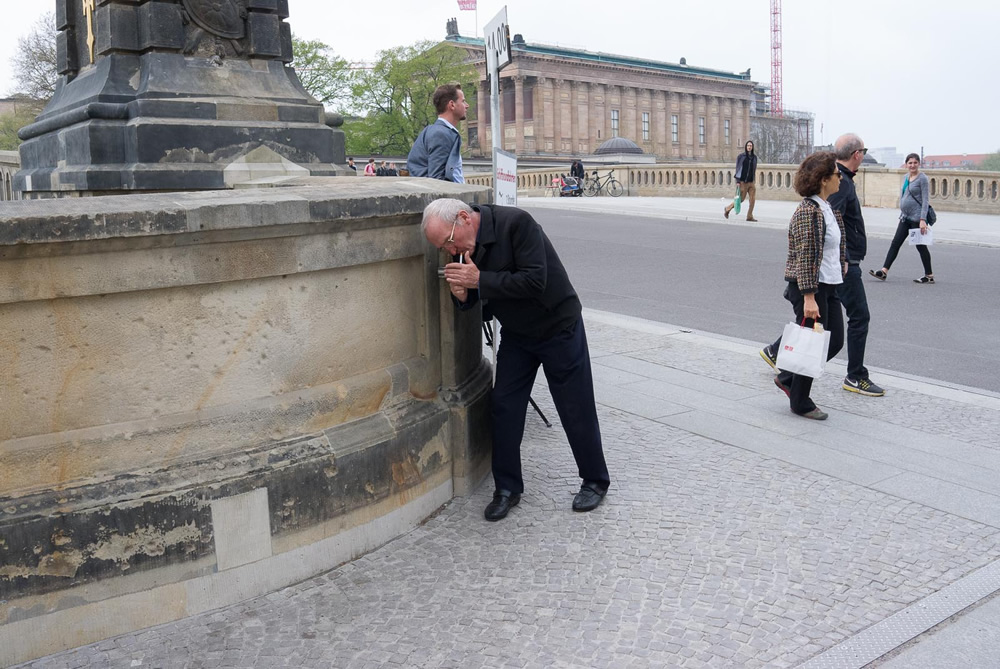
pixel 528 104
pixel 674 133
pixel 701 129
pixel 645 126
pixel 727 131
pixel 614 122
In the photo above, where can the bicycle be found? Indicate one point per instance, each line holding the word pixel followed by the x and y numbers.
pixel 607 182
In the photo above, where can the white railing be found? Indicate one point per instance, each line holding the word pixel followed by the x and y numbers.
pixel 965 191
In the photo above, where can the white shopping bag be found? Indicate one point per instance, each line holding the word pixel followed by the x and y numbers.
pixel 804 350
pixel 916 238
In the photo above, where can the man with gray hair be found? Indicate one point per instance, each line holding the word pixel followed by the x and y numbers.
pixel 851 151
pixel 503 258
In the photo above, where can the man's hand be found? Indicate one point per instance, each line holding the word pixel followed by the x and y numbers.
pixel 461 294
pixel 464 275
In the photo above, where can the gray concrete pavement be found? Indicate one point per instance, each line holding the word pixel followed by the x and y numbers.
pixel 953 228
pixel 734 534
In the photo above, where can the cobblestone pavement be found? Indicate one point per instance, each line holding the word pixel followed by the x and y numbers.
pixel 704 554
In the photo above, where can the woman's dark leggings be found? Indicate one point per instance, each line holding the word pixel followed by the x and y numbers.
pixel 831 315
pixel 902 232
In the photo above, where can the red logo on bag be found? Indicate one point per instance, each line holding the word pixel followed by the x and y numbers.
pixel 789 348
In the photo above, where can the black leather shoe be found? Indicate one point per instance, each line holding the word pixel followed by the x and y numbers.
pixel 502 502
pixel 589 497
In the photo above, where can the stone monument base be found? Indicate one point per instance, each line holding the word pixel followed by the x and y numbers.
pixel 215 395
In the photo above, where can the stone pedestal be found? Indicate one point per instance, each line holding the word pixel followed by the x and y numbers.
pixel 210 396
pixel 174 95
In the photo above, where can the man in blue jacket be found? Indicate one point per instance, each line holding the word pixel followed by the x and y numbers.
pixel 507 261
pixel 437 153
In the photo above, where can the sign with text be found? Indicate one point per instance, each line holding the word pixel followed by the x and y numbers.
pixel 497 37
pixel 504 178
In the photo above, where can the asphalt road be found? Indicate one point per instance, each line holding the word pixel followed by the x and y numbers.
pixel 728 280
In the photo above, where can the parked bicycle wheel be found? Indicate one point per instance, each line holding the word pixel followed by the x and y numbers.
pixel 615 188
pixel 592 187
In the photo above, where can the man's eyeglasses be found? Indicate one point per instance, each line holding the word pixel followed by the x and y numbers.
pixel 864 151
pixel 451 237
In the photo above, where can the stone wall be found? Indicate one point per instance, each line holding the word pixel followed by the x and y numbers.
pixel 951 190
pixel 211 396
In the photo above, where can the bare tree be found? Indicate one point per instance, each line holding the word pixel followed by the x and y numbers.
pixel 34 63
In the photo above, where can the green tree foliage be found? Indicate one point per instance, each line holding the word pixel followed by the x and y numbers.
pixel 14 121
pixel 992 162
pixel 326 76
pixel 392 100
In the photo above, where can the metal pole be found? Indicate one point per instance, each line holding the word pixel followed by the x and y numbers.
pixel 495 115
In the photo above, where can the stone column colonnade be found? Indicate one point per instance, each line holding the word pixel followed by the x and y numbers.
pixel 573 116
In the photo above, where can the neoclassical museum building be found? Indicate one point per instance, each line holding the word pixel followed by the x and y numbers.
pixel 564 102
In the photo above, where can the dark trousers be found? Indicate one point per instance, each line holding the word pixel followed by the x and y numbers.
pixel 832 318
pixel 902 232
pixel 565 359
pixel 852 295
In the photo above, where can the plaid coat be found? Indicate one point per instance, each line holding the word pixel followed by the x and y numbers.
pixel 806 232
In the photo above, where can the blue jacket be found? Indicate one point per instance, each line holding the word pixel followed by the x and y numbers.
pixel 436 153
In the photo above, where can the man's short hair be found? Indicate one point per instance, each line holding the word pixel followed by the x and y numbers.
pixel 846 145
pixel 444 94
pixel 446 209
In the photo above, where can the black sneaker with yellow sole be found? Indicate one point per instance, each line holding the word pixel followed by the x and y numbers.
pixel 863 387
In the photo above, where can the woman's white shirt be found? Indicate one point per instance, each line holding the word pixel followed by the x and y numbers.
pixel 830 270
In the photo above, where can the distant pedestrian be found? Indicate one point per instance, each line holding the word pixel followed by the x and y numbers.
pixel 350 164
pixel 370 168
pixel 393 172
pixel 814 268
pixel 382 171
pixel 913 204
pixel 850 150
pixel 746 173
pixel 437 151
pixel 576 170
pixel 509 263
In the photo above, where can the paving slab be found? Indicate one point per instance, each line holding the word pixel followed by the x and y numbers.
pixel 734 534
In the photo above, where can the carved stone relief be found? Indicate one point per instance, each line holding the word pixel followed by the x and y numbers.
pixel 215 27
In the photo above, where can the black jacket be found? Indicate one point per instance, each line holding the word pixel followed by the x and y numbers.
pixel 750 168
pixel 520 275
pixel 846 202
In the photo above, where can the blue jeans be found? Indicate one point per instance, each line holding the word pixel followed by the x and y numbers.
pixel 855 301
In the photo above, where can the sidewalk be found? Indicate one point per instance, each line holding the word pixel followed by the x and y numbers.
pixel 735 534
pixel 973 229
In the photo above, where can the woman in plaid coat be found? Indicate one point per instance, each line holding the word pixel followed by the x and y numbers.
pixel 816 264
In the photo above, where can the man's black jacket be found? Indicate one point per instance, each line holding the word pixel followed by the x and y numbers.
pixel 846 202
pixel 521 276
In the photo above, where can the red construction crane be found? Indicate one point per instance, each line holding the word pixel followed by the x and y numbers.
pixel 777 108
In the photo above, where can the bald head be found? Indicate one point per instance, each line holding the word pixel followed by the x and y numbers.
pixel 846 145
pixel 849 149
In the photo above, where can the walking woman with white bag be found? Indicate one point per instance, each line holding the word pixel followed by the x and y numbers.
pixel 816 264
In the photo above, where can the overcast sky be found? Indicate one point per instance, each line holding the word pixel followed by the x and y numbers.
pixel 920 73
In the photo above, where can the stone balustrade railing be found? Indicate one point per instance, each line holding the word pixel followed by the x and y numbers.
pixel 951 190
pixel 10 163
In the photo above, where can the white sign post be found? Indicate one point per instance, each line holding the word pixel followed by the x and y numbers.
pixel 497 40
pixel 504 178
